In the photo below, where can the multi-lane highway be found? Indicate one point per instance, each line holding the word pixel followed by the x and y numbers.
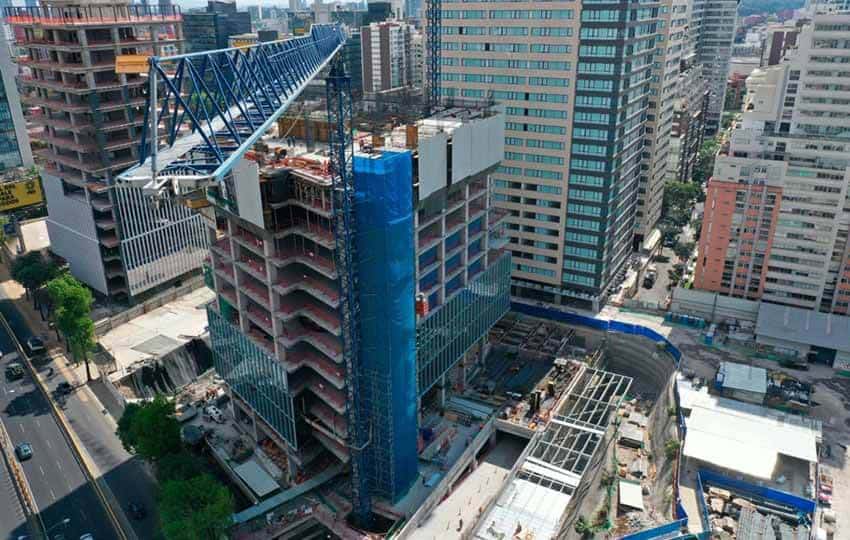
pixel 57 482
pixel 13 522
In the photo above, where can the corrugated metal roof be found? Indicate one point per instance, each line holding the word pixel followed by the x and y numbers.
pixel 803 326
pixel 744 437
pixel 743 377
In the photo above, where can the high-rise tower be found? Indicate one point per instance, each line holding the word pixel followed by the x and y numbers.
pixel 92 118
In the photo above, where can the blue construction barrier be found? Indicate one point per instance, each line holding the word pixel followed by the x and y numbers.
pixel 598 324
pixel 658 532
pixel 800 504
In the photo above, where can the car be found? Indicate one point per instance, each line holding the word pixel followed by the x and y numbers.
pixel 214 413
pixel 87 536
pixel 136 511
pixel 35 345
pixel 23 451
pixel 64 388
pixel 14 371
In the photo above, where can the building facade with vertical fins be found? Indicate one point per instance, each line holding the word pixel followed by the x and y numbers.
pixel 91 119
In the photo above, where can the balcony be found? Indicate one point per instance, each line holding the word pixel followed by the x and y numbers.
pixel 455 221
pixel 105 224
pixel 429 237
pixel 261 318
pixel 324 391
pixel 332 445
pixel 323 265
pixel 496 216
pixel 222 248
pixel 250 241
pixel 295 360
pixel 229 294
pixel 256 292
pixel 95 186
pixel 93 43
pixel 226 271
pixel 300 304
pixel 109 240
pixel 65 67
pixel 294 332
pixel 94 15
pixel 312 231
pixel 262 340
pixel 330 419
pixel 253 267
pixel 290 281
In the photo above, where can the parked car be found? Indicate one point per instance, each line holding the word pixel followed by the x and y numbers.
pixel 23 451
pixel 64 388
pixel 35 345
pixel 214 413
pixel 14 371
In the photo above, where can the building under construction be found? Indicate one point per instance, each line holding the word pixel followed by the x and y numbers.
pixel 427 272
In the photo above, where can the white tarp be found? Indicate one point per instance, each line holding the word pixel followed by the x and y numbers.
pixel 630 494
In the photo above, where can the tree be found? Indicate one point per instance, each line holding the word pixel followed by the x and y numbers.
pixel 33 271
pixel 678 202
pixel 179 466
pixel 704 167
pixel 73 315
pixel 150 429
pixel 683 250
pixel 196 509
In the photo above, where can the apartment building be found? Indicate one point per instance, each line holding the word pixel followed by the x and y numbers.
pixel 389 56
pixel 15 150
pixel 575 81
pixel 671 47
pixel 210 29
pixel 713 25
pixel 689 97
pixel 91 119
pixel 432 279
pixel 777 213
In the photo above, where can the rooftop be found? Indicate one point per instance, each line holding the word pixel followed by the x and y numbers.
pixel 158 332
pixel 803 326
pixel 742 377
pixel 743 437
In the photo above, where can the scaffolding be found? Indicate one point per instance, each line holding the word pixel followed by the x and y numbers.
pixel 341 143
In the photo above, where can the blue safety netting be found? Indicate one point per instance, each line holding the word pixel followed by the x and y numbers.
pixel 383 213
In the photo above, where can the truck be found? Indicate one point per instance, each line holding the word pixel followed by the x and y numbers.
pixel 650 276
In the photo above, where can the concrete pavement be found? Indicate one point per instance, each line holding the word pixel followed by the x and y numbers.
pixel 122 477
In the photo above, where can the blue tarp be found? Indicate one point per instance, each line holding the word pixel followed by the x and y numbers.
pixel 387 354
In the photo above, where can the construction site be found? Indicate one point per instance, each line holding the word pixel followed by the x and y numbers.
pixel 361 324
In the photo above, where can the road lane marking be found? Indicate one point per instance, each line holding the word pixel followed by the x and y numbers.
pixel 48 443
pixel 52 494
pixel 40 468
pixel 37 422
pixel 21 427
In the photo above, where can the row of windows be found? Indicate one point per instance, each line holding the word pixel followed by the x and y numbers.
pixel 564 31
pixel 586 180
pixel 549 145
pixel 537 113
pixel 595 85
pixel 589 133
pixel 484 79
pixel 609 51
pixel 593 101
pixel 535 128
pixel 510 14
pixel 532 173
pixel 596 68
pixel 590 149
pixel 581 238
pixel 578 280
pixel 529 96
pixel 584 209
pixel 585 195
pixel 534 158
pixel 583 224
pixel 587 164
pixel 533 270
pixel 570 264
pixel 507 64
pixel 591 118
pixel 509 47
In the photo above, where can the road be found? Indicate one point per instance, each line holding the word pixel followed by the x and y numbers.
pixel 57 482
pixel 127 476
pixel 13 522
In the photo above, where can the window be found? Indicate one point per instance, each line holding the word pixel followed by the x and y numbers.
pixel 587 164
pixel 595 85
pixel 548 81
pixel 591 118
pixel 586 180
pixel 591 149
pixel 549 145
pixel 584 224
pixel 549 175
pixel 553 32
pixel 585 195
pixel 570 264
pixel 608 51
pixel 600 15
pixel 581 238
pixel 584 209
pixel 586 253
pixel 549 49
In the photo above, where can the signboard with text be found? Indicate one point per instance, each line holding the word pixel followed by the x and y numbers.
pixel 18 194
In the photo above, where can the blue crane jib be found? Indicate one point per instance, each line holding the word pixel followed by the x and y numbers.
pixel 211 107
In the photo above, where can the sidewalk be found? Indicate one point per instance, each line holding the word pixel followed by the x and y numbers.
pixel 74 374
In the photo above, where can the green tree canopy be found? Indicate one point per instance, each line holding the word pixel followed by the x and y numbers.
pixel 150 429
pixel 179 466
pixel 73 301
pixel 196 509
pixel 33 271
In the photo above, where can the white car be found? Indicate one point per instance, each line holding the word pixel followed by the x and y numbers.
pixel 214 413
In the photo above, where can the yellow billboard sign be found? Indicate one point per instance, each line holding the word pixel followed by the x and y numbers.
pixel 132 63
pixel 17 194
